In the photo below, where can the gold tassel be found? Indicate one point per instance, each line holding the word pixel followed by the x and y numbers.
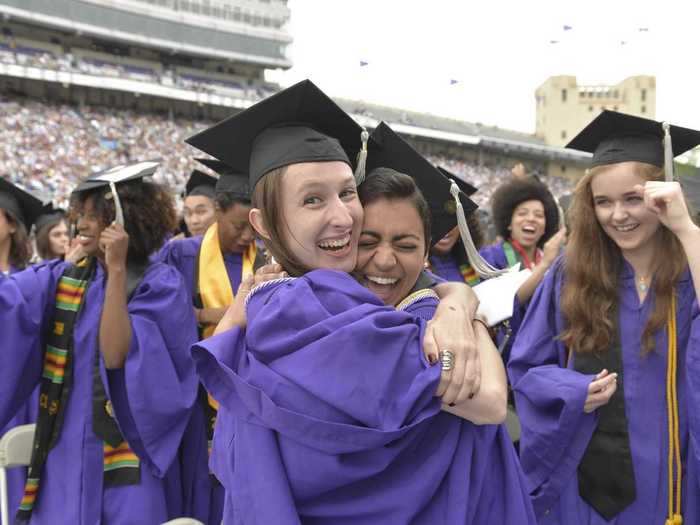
pixel 674 451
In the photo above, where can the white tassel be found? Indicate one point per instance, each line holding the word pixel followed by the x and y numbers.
pixel 118 212
pixel 480 265
pixel 668 152
pixel 362 159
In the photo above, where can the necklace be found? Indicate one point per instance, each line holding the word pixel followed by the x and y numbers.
pixel 643 284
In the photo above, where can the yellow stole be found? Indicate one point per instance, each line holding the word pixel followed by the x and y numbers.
pixel 214 285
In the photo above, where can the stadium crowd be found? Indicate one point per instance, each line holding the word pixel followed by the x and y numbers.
pixel 49 148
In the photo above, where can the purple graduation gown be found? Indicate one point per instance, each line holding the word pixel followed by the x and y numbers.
pixel 182 254
pixel 446 267
pixel 332 405
pixel 208 496
pixel 27 413
pixel 555 430
pixel 152 394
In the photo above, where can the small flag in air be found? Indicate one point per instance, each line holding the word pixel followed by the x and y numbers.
pixel 453 82
pixel 363 63
pixel 554 41
pixel 643 29
pixel 567 28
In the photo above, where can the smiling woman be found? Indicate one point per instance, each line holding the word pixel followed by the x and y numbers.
pixel 328 389
pixel 613 335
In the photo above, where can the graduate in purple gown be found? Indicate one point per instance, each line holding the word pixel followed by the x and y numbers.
pixel 527 219
pixel 106 341
pixel 448 259
pixel 225 253
pixel 606 366
pixel 213 266
pixel 19 210
pixel 199 206
pixel 391 252
pixel 331 399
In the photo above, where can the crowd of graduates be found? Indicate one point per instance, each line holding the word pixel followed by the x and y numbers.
pixel 324 335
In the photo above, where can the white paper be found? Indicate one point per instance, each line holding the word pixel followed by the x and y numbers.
pixel 496 295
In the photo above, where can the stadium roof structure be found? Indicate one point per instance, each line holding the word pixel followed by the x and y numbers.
pixel 129 23
pixel 425 125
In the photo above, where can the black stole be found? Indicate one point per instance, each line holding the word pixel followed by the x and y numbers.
pixel 605 474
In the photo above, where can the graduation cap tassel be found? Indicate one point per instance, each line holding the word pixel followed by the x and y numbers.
pixel 362 159
pixel 481 267
pixel 668 152
pixel 118 212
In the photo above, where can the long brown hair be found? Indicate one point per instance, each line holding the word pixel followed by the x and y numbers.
pixel 42 237
pixel 590 288
pixel 267 197
pixel 20 252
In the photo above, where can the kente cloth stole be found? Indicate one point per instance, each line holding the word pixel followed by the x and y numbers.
pixel 469 274
pixel 213 290
pixel 121 465
pixel 515 254
pixel 605 474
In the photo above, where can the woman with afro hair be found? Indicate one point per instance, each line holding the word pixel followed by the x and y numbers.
pixel 527 219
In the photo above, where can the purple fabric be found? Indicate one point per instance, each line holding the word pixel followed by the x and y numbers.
pixel 332 405
pixel 182 254
pixel 16 477
pixel 152 395
pixel 555 430
pixel 495 256
pixel 446 267
pixel 209 497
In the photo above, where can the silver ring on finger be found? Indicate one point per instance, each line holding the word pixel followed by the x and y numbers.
pixel 447 360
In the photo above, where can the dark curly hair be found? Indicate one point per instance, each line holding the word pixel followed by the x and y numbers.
pixel 149 214
pixel 514 192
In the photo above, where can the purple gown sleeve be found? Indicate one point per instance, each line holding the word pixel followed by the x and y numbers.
pixel 549 398
pixel 304 336
pixel 26 300
pixel 155 391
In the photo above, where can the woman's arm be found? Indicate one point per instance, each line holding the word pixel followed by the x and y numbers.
pixel 550 252
pixel 115 326
pixel 451 329
pixel 667 201
pixel 488 406
pixel 235 315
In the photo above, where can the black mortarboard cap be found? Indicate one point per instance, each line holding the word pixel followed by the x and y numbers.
pixel 388 150
pixel 49 214
pixel 615 137
pixel 464 186
pixel 117 174
pixel 230 181
pixel 113 176
pixel 298 124
pixel 200 183
pixel 20 202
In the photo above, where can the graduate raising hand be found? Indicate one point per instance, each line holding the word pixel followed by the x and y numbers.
pixel 114 243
